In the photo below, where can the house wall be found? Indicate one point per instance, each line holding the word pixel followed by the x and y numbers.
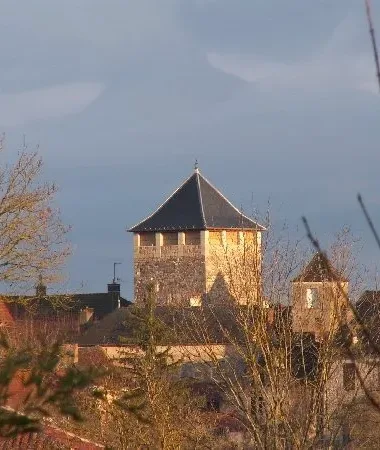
pixel 183 353
pixel 351 407
pixel 329 313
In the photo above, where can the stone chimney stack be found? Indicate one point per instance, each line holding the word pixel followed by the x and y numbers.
pixel 113 288
pixel 41 288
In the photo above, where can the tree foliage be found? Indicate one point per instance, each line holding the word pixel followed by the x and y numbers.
pixel 34 385
pixel 157 397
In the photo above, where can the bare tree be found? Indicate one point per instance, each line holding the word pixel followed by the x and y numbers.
pixel 32 236
pixel 278 382
pixel 37 377
pixel 145 403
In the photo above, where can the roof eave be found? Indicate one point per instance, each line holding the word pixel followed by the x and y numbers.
pixel 163 230
pixel 257 228
pixel 137 229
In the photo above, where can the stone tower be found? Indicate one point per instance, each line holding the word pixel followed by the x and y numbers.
pixel 196 248
pixel 318 294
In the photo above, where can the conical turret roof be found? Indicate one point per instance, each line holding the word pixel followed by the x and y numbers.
pixel 319 269
pixel 196 205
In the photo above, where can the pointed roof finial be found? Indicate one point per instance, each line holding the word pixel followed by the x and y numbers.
pixel 196 168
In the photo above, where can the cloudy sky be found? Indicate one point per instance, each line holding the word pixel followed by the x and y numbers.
pixel 276 99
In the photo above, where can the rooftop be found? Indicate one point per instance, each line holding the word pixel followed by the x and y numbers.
pixel 56 305
pixel 319 269
pixel 183 326
pixel 196 205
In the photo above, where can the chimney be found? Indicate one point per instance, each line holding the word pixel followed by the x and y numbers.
pixel 113 288
pixel 41 288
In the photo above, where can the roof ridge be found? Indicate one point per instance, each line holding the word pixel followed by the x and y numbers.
pixel 197 174
pixel 163 203
pixel 231 204
pixel 69 434
pixel 321 266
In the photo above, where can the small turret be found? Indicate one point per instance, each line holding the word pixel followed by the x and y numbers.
pixel 319 297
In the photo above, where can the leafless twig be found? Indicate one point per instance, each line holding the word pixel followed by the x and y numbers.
pixel 373 39
pixel 369 220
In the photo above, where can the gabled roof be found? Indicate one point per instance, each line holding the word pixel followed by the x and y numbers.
pixel 368 312
pixel 368 305
pixel 186 326
pixel 102 303
pixel 370 297
pixel 183 324
pixel 319 269
pixel 21 307
pixel 196 205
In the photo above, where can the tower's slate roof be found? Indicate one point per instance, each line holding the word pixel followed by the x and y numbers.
pixel 196 205
pixel 319 269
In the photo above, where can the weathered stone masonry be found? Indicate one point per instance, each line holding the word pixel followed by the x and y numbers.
pixel 177 272
pixel 197 248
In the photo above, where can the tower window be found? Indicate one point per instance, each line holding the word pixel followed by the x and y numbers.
pixel 312 298
pixel 147 239
pixel 170 238
pixel 192 238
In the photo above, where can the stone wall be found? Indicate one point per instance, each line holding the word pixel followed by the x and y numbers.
pixel 176 278
pixel 340 396
pixel 205 266
pixel 233 266
pixel 184 353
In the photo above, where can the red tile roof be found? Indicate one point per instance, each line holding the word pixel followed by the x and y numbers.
pixel 6 317
pixel 49 437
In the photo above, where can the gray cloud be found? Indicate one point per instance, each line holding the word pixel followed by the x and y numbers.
pixel 121 97
pixel 334 66
pixel 50 102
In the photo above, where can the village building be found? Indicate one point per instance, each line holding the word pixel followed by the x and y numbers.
pixel 319 298
pixel 186 247
pixel 199 254
pixel 64 316
pixel 197 250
